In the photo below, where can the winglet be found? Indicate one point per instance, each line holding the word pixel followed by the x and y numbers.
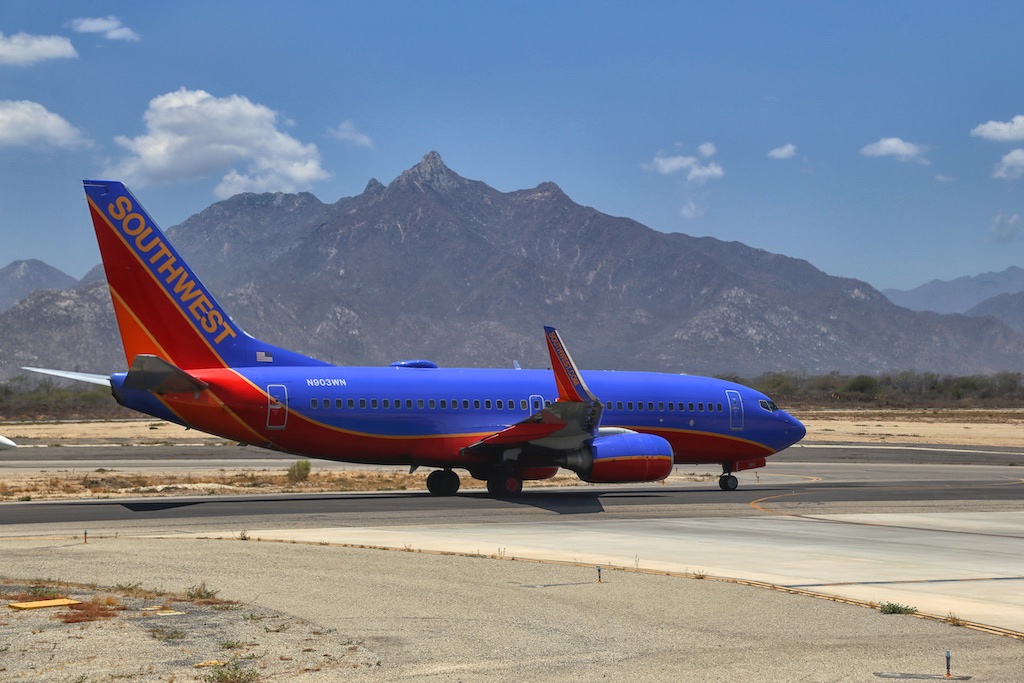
pixel 571 386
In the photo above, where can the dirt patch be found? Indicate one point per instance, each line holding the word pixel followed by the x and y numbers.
pixel 164 637
pixel 991 428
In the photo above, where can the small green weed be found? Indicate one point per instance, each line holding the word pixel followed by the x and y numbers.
pixel 896 608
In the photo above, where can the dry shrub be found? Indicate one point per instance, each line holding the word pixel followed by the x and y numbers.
pixel 88 611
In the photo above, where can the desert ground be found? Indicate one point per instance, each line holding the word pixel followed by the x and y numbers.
pixel 965 428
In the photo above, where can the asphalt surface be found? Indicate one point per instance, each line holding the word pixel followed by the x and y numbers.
pixel 482 616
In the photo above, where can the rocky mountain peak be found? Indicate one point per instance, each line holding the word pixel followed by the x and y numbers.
pixel 431 173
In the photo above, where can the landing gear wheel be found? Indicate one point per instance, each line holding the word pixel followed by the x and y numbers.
pixel 728 482
pixel 504 485
pixel 442 483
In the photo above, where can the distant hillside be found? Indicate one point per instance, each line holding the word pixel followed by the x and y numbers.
pixel 1008 308
pixel 20 278
pixel 959 295
pixel 437 266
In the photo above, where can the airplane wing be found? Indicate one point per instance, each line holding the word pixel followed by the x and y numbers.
pixel 77 376
pixel 6 443
pixel 565 424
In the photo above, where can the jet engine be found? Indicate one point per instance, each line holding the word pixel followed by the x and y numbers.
pixel 624 456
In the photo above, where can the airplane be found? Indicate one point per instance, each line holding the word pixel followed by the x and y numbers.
pixel 190 363
pixel 6 443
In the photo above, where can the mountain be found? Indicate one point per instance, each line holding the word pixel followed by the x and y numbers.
pixel 959 295
pixel 1008 308
pixel 437 266
pixel 20 278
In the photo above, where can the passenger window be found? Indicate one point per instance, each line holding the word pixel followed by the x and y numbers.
pixel 650 406
pixel 719 407
pixel 618 405
pixel 487 404
pixel 661 407
pixel 338 403
pixel 629 405
pixel 419 403
pixel 511 404
pixel 608 405
pixel 689 407
pixel 640 405
pixel 444 403
pixel 700 407
pixel 465 404
pixel 386 403
pixel 351 403
pixel 408 404
pixel 313 403
pixel 432 404
pixel 373 403
pixel 671 406
pixel 522 404
pixel 547 402
pixel 476 404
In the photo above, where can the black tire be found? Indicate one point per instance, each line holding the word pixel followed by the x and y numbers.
pixel 443 483
pixel 728 482
pixel 505 485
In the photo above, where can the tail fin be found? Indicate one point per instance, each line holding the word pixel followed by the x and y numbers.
pixel 162 308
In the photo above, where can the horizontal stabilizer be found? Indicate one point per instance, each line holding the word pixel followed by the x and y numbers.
pixel 152 373
pixel 77 376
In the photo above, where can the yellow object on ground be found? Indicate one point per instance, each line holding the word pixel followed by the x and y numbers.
pixel 38 604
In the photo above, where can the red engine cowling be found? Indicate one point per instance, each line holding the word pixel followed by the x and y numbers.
pixel 621 458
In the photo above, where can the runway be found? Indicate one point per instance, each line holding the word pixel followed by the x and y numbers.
pixel 938 528
pixel 935 528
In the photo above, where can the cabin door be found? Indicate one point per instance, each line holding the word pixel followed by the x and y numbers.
pixel 277 406
pixel 735 409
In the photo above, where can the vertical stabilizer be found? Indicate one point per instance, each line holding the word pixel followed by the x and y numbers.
pixel 162 308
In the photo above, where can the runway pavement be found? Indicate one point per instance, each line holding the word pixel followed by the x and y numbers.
pixel 944 538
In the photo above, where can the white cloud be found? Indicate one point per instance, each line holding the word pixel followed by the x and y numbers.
pixel 29 124
pixel 110 27
pixel 348 132
pixel 895 147
pixel 943 178
pixel 192 134
pixel 690 211
pixel 1006 227
pixel 1008 131
pixel 787 151
pixel 1011 166
pixel 696 173
pixel 23 49
pixel 707 150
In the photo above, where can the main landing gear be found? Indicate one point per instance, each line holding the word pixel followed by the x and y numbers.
pixel 728 482
pixel 504 485
pixel 443 483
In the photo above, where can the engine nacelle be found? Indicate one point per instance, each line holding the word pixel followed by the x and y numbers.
pixel 621 458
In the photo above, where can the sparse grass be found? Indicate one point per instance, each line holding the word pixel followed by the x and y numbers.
pixel 199 593
pixel 232 673
pixel 896 608
pixel 698 574
pixel 299 471
pixel 167 634
pixel 954 620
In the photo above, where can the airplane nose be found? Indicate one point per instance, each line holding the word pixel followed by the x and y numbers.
pixel 795 429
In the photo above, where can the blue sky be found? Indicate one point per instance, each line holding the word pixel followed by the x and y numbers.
pixel 877 140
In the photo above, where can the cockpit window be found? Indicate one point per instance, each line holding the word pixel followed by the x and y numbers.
pixel 768 405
